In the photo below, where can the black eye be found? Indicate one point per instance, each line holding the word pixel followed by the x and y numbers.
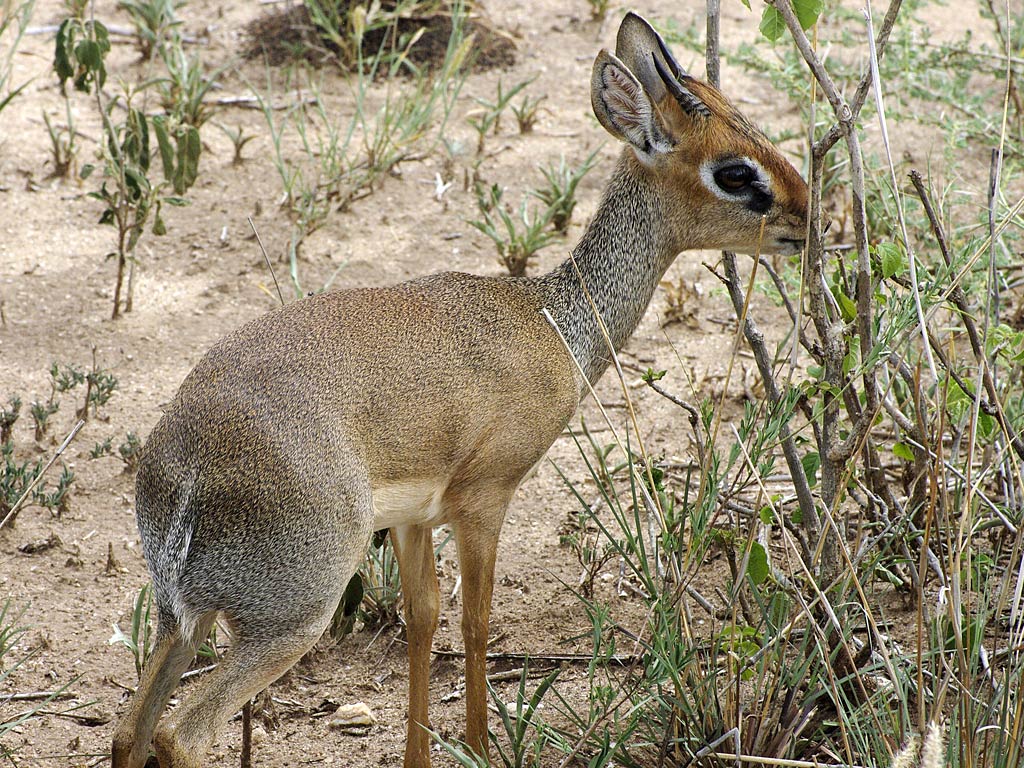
pixel 734 178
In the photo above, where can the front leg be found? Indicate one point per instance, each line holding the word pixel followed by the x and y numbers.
pixel 414 545
pixel 477 547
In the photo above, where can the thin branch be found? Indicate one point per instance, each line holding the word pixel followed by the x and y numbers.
pixel 35 481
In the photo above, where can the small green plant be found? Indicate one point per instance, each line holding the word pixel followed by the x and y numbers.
pixel 8 417
pixel 130 451
pixel 487 119
pixel 20 478
pixel 527 734
pixel 238 139
pixel 381 585
pixel 559 194
pixel 183 93
pixel 41 413
pixel 99 450
pixel 527 112
pixel 15 478
pixel 132 200
pixel 63 149
pixel 516 237
pixel 100 386
pixel 57 499
pixel 590 548
pixel 154 21
pixel 140 636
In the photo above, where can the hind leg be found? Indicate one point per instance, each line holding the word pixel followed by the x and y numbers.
pixel 170 658
pixel 255 660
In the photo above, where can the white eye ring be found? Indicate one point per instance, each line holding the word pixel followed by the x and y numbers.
pixel 707 176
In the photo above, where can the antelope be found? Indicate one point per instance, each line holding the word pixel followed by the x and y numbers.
pixel 415 405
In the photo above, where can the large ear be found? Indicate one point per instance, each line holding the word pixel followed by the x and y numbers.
pixel 645 54
pixel 624 109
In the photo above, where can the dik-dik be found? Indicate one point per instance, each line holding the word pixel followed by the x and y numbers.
pixel 417 405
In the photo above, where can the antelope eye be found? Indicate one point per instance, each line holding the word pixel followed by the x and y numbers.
pixel 734 178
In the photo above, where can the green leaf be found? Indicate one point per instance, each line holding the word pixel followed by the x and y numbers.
pixel 757 564
pixel 86 171
pixel 163 141
pixel 765 513
pixel 847 307
pixel 808 11
pixel 772 24
pixel 61 61
pixel 811 462
pixel 88 54
pixel 903 451
pixel 894 259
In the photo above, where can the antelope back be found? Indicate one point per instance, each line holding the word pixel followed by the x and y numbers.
pixel 720 176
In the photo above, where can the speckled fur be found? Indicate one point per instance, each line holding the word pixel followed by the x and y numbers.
pixel 255 493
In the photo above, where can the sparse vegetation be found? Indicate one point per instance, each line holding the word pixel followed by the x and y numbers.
pixel 559 194
pixel 344 159
pixel 154 22
pixel 138 640
pixel 516 236
pixel 527 112
pixel 132 199
pixel 8 417
pixel 129 452
pixel 487 119
pixel 14 20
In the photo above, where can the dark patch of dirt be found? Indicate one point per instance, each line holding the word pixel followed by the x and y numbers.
pixel 288 34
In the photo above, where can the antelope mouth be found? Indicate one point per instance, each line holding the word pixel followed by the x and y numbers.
pixel 790 245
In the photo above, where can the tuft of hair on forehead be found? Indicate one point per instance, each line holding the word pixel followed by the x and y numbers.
pixel 722 109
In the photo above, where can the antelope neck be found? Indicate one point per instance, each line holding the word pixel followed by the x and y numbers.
pixel 620 258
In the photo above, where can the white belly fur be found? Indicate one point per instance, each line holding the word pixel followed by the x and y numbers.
pixel 413 502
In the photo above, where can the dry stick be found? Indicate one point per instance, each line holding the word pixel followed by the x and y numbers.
pixel 246 757
pixel 911 256
pixel 836 453
pixel 37 695
pixel 35 481
pixel 755 339
pixel 566 658
pixel 266 258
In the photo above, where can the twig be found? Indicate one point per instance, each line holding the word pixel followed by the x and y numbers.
pixel 266 258
pixel 251 102
pixel 566 658
pixel 755 340
pixel 37 695
pixel 35 481
pixel 246 756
